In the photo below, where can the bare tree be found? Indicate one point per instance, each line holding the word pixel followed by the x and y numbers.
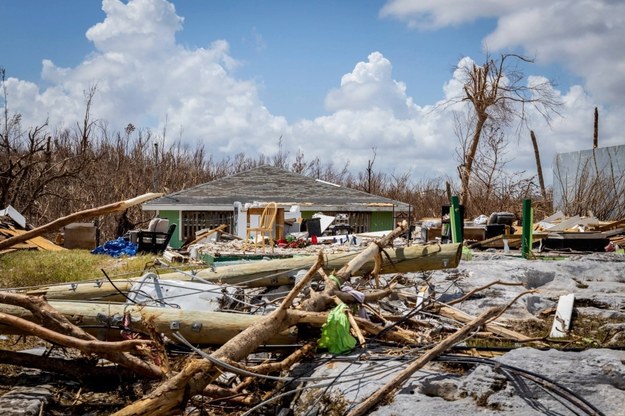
pixel 370 181
pixel 37 168
pixel 498 95
pixel 280 158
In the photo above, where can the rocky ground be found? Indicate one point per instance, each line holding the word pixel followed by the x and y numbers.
pixel 584 374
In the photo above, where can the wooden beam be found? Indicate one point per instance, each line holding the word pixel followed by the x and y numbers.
pixel 77 216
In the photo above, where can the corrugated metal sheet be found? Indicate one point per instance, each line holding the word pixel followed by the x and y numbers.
pixel 578 169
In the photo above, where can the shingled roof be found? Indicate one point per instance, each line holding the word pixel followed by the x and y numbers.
pixel 268 183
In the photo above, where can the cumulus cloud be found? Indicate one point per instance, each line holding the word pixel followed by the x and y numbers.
pixel 584 36
pixel 370 85
pixel 144 77
pixel 433 14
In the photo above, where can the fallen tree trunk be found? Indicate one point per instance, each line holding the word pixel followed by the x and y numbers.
pixel 272 272
pixel 78 216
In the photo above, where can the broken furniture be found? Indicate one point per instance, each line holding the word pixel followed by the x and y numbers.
pixel 156 238
pixel 264 228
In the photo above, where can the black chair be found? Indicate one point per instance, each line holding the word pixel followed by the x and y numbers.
pixel 154 241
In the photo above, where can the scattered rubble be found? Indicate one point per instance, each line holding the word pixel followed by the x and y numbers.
pixel 432 333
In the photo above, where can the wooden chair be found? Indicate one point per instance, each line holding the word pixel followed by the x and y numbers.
pixel 264 229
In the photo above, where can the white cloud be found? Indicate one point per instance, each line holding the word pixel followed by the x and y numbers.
pixel 151 25
pixel 144 77
pixel 370 85
pixel 433 14
pixel 142 74
pixel 585 36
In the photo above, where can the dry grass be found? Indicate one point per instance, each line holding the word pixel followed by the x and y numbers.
pixel 31 268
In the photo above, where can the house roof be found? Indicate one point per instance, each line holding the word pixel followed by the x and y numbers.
pixel 268 183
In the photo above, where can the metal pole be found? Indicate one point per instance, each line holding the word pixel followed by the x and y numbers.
pixel 456 221
pixel 528 223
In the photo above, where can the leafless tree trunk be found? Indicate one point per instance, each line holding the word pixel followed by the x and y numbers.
pixel 539 168
pixel 495 92
pixel 595 142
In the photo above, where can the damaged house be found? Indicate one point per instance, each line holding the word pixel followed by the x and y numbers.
pixel 231 199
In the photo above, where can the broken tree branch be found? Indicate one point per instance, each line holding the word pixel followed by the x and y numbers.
pixel 479 289
pixel 52 319
pixel 320 301
pixel 86 346
pixel 398 380
pixel 78 216
pixel 493 327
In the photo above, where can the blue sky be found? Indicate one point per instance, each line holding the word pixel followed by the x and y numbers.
pixel 332 78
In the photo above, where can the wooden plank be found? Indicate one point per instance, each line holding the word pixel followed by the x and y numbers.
pixel 35 242
pixel 562 319
pixel 610 226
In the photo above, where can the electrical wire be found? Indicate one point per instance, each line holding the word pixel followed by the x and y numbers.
pixel 544 382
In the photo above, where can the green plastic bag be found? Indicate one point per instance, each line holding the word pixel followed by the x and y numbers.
pixel 335 334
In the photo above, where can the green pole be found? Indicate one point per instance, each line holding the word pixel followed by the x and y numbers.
pixel 528 224
pixel 455 220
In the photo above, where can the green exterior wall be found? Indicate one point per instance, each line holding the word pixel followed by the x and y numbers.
pixel 381 221
pixel 173 217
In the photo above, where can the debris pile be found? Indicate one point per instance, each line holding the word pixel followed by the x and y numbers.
pixel 429 326
pixel 12 225
pixel 376 325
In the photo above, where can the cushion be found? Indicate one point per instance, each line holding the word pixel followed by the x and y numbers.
pixel 153 223
pixel 162 226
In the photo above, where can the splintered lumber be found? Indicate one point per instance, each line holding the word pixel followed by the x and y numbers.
pixel 78 216
pixel 38 243
pixel 458 315
pixel 104 320
pixel 273 272
pixel 405 374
